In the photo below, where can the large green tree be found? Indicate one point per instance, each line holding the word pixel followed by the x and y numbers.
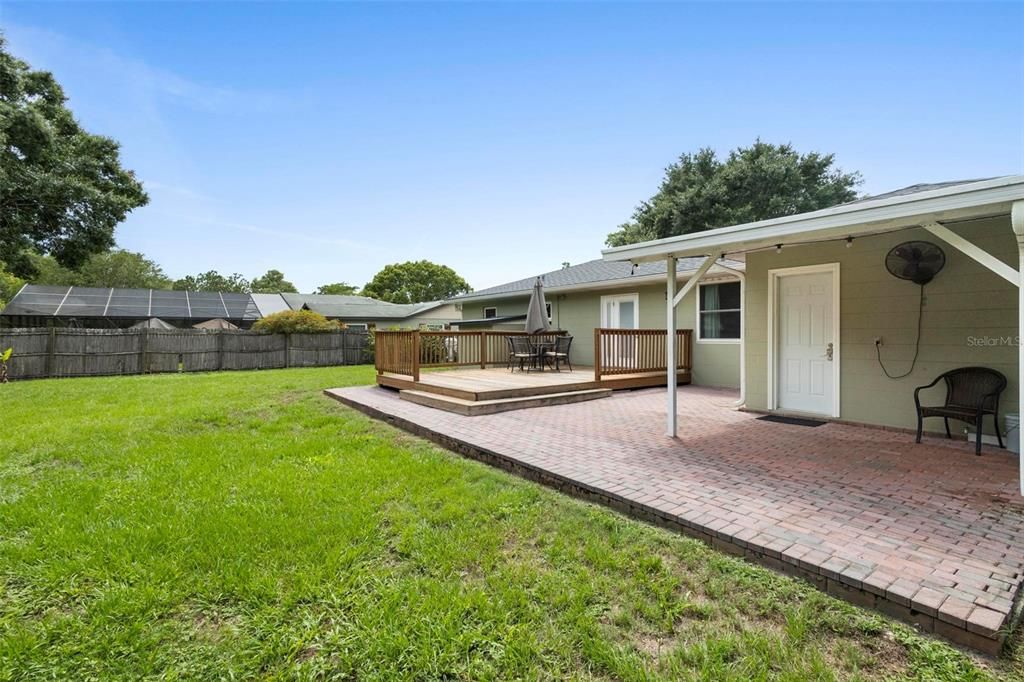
pixel 338 289
pixel 62 189
pixel 416 282
pixel 212 280
pixel 273 282
pixel 49 272
pixel 701 192
pixel 122 269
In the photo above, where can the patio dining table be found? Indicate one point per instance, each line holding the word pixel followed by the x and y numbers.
pixel 541 347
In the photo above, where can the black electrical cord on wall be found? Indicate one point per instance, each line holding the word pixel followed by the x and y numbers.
pixel 917 343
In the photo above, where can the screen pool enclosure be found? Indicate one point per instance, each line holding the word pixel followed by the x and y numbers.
pixel 63 306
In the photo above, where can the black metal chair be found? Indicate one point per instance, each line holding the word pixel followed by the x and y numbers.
pixel 559 353
pixel 521 350
pixel 971 393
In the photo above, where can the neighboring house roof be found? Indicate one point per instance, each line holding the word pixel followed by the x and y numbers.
pixel 268 304
pixel 64 301
pixel 585 275
pixel 357 307
pixel 908 207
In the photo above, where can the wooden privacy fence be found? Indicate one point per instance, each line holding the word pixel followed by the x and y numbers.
pixel 406 352
pixel 635 351
pixel 56 352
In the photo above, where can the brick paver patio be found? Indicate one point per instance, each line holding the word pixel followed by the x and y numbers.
pixel 927 533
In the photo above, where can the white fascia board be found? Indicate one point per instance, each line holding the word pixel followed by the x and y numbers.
pixel 978 199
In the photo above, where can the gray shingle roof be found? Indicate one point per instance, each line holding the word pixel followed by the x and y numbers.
pixel 591 272
pixel 356 307
pixel 915 189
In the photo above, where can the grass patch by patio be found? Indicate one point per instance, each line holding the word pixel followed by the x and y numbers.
pixel 240 524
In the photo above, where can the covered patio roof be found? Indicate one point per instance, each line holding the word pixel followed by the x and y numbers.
pixel 886 213
pixel 927 207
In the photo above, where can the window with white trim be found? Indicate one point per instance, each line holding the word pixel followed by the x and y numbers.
pixel 718 311
pixel 490 312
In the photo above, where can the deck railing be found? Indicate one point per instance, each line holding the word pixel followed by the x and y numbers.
pixel 407 352
pixel 636 351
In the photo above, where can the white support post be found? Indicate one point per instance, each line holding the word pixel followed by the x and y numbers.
pixel 692 282
pixel 670 344
pixel 672 299
pixel 1017 222
pixel 974 252
pixel 742 277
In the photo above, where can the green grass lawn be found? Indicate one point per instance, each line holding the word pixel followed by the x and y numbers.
pixel 241 524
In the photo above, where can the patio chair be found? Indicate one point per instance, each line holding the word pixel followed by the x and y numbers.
pixel 560 352
pixel 971 393
pixel 522 351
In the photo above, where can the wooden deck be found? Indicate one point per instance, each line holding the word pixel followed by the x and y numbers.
pixel 497 389
pixel 466 371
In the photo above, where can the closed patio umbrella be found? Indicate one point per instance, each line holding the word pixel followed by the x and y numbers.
pixel 537 313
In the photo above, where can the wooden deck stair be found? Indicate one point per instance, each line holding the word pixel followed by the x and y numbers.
pixel 473 408
pixel 489 391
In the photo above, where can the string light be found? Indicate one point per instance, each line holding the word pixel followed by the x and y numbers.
pixel 849 240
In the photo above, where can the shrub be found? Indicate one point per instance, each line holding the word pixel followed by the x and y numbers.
pixel 296 322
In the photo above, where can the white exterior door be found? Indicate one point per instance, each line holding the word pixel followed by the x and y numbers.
pixel 620 312
pixel 806 355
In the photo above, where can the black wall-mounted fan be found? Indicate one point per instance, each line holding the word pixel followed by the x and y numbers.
pixel 917 261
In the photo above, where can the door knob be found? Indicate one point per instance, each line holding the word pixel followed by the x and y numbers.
pixel 828 352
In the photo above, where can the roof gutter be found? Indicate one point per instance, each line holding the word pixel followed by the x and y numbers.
pixel 974 200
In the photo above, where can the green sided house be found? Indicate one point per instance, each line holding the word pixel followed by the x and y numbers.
pixel 831 328
pixel 618 295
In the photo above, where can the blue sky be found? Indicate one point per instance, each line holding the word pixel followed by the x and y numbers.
pixel 327 140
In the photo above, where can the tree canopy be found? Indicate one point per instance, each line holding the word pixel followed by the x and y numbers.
pixel 272 282
pixel 211 280
pixel 701 192
pixel 9 286
pixel 338 289
pixel 122 269
pixel 416 282
pixel 49 272
pixel 64 190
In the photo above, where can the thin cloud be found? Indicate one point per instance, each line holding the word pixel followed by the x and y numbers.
pixel 38 45
pixel 206 204
pixel 288 234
